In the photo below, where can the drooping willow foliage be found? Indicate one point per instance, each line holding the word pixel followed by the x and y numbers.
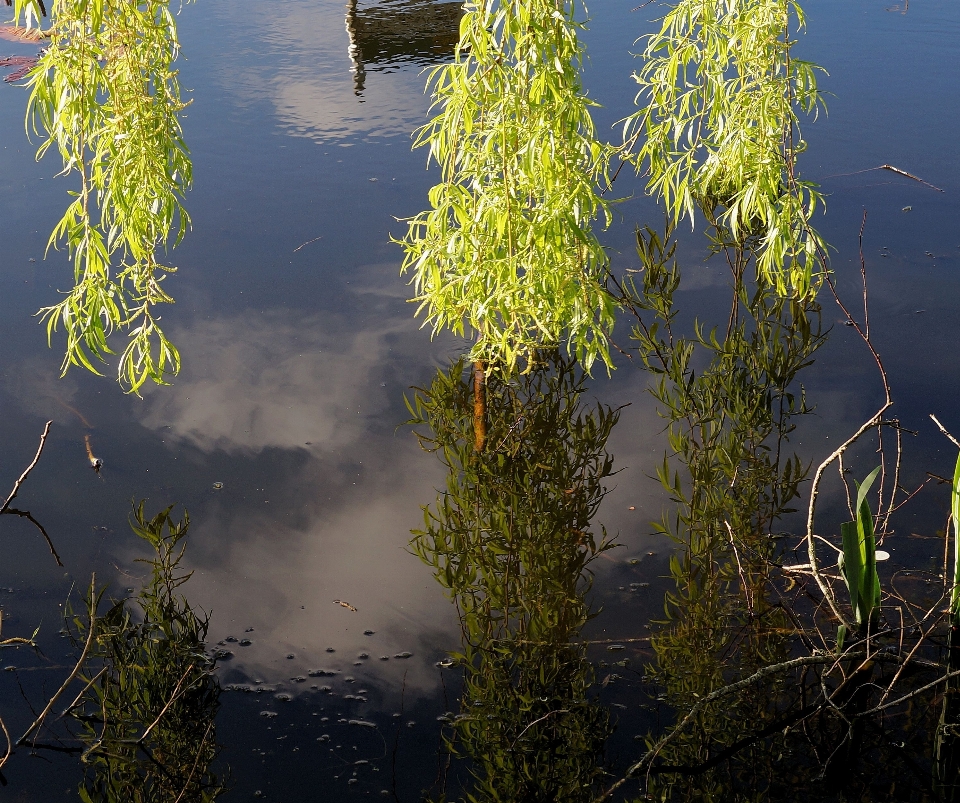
pixel 721 95
pixel 106 95
pixel 507 249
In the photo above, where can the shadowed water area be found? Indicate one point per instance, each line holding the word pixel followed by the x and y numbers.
pixel 378 607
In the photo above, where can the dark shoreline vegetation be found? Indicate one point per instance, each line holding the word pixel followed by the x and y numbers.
pixel 793 659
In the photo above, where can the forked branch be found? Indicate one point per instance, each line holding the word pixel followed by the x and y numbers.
pixel 25 514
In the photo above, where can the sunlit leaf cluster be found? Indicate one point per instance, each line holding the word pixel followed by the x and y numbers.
pixel 720 98
pixel 507 249
pixel 105 94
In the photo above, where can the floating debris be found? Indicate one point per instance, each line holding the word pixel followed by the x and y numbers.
pixel 223 655
pixel 245 642
pixel 299 679
pixel 361 723
pixel 362 656
pixel 248 630
pixel 403 655
pixel 95 462
pixel 384 657
pixel 344 604
pixel 615 647
pixel 322 673
pixel 24 65
pixel 268 714
pixel 229 639
pixel 369 632
pixel 291 656
pixel 446 663
pixel 330 649
pixel 324 738
pixel 283 697
pixel 14 33
pixel 218 486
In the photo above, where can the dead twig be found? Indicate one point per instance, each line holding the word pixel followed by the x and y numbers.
pixel 76 669
pixel 953 440
pixel 308 242
pixel 25 514
pixel 28 469
pixel 653 752
pixel 6 735
pixel 892 169
pixel 747 592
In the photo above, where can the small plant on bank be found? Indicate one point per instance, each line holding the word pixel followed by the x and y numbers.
pixel 858 561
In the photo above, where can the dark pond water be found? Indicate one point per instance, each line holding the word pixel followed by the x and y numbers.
pixel 283 435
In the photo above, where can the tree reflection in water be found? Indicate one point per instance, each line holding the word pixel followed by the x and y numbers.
pixel 511 539
pixel 146 712
pixel 765 705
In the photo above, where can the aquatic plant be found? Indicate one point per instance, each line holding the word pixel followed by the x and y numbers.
pixel 858 561
pixel 720 99
pixel 106 95
pixel 507 249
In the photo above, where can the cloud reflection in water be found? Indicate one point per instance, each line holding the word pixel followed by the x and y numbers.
pixel 261 386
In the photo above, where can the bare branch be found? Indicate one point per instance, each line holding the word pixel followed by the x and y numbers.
pixel 28 469
pixel 943 429
pixel 76 669
pixel 16 488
